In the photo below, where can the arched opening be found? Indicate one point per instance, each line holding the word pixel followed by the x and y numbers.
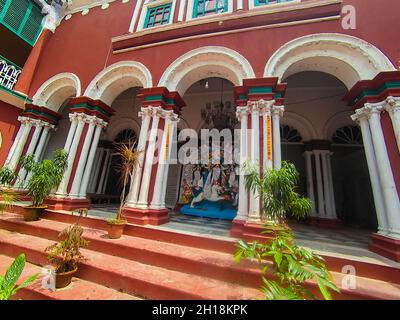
pixel 106 186
pixel 55 95
pixel 208 188
pixel 340 179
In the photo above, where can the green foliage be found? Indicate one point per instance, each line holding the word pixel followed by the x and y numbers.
pixel 292 266
pixel 7 176
pixel 277 190
pixel 65 254
pixel 8 285
pixel 7 195
pixel 46 175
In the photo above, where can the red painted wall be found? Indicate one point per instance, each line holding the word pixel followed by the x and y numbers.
pixel 8 127
pixel 82 45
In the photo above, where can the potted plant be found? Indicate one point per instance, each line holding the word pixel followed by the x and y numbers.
pixel 65 254
pixel 7 195
pixel 129 157
pixel 46 175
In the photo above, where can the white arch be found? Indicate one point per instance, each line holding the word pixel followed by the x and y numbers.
pixel 348 58
pixel 301 124
pixel 206 62
pixel 337 121
pixel 118 77
pixel 119 124
pixel 53 92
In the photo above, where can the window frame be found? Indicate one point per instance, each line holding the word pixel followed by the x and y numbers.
pixel 191 5
pixel 254 4
pixel 148 5
pixel 163 7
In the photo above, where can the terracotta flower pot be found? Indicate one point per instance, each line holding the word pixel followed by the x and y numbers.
pixel 63 279
pixel 115 230
pixel 33 213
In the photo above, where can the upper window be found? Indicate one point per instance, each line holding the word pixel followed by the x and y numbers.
pixel 22 17
pixel 264 2
pixel 158 15
pixel 206 7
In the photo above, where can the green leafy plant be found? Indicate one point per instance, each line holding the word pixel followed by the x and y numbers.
pixel 65 254
pixel 292 266
pixel 129 156
pixel 7 195
pixel 279 257
pixel 277 190
pixel 8 286
pixel 46 175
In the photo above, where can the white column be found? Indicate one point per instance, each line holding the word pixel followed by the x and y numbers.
pixel 31 148
pixel 393 108
pixel 88 170
pixel 390 194
pixel 174 127
pixel 310 181
pixel 15 143
pixel 361 118
pixel 254 210
pixel 243 209
pixel 103 172
pixel 181 9
pixel 76 184
pixel 41 146
pixel 325 174
pixel 103 190
pixel 133 195
pixel 94 177
pixel 240 4
pixel 144 188
pixel 321 208
pixel 72 149
pixel 74 123
pixel 277 112
pixel 162 165
pixel 20 145
pixel 331 186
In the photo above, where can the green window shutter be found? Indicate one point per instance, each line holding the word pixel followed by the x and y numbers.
pixel 33 25
pixel 23 17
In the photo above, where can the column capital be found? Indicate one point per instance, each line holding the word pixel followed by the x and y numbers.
pixel 392 104
pixel 278 110
pixel 368 110
pixel 242 112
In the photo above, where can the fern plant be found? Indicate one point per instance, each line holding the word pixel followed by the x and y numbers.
pixel 46 175
pixel 8 286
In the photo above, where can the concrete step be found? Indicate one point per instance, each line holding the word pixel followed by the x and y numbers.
pixel 211 264
pixel 366 269
pixel 78 290
pixel 130 276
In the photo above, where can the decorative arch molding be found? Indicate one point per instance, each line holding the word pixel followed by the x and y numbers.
pixel 348 58
pixel 119 124
pixel 206 62
pixel 55 91
pixel 339 120
pixel 118 77
pixel 301 124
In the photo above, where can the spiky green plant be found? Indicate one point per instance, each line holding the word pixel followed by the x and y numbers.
pixel 46 175
pixel 129 157
pixel 7 195
pixel 8 286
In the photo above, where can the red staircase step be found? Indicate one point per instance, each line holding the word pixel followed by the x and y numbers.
pixel 130 276
pixel 78 290
pixel 216 265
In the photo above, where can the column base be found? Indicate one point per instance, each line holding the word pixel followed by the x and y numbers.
pixel 249 231
pixel 384 246
pixel 325 223
pixel 146 216
pixel 67 204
